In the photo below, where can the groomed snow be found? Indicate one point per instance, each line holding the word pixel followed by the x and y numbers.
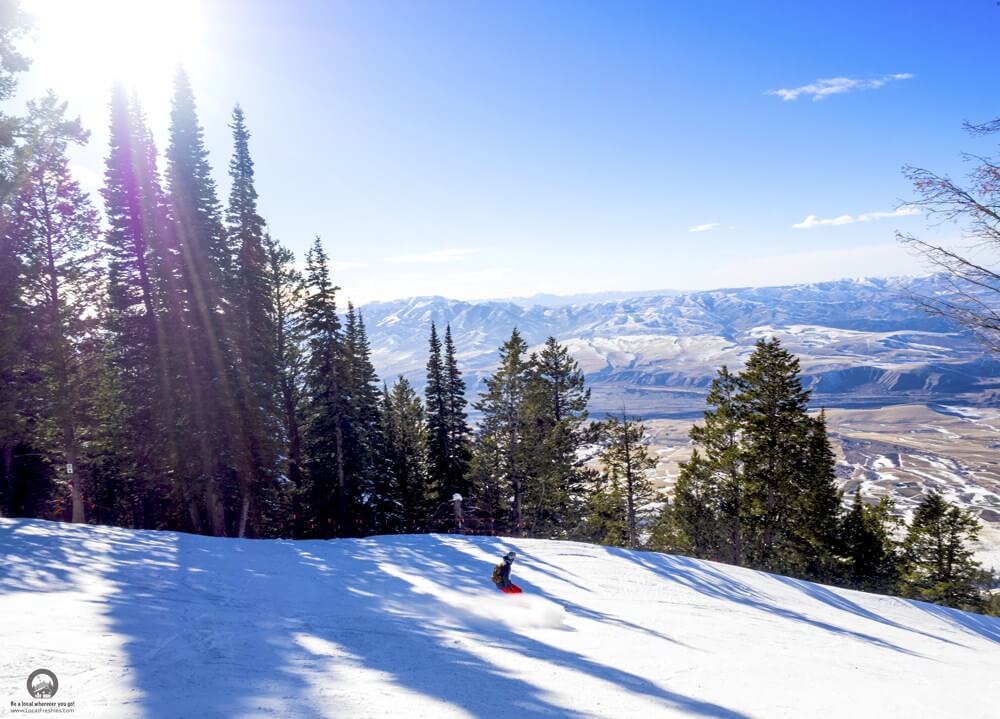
pixel 165 625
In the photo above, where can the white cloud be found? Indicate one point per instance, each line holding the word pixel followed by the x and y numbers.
pixel 825 87
pixel 437 256
pixel 813 221
pixel 704 228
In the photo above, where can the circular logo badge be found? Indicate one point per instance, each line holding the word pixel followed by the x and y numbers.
pixel 42 684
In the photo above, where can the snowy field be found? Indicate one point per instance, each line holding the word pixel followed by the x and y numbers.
pixel 164 625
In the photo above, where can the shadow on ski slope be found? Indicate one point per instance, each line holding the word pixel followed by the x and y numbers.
pixel 222 627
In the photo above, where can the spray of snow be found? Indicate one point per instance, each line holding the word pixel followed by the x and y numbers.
pixel 517 611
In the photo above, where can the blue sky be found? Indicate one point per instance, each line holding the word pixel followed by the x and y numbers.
pixel 477 149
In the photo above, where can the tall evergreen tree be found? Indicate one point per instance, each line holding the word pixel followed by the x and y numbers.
pixel 719 472
pixel 625 462
pixel 816 521
pixel 763 488
pixel 54 228
pixel 208 280
pixel 144 310
pixel 325 406
pixel 448 432
pixel 456 470
pixel 407 497
pixel 363 441
pixel 436 402
pixel 256 377
pixel 14 320
pixel 500 461
pixel 556 410
pixel 285 294
pixel 776 428
pixel 869 546
pixel 13 316
pixel 938 563
pixel 696 510
pixel 14 25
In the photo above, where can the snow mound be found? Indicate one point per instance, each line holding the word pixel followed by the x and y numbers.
pixel 162 625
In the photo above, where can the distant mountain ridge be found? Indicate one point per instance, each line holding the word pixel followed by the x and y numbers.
pixel 862 342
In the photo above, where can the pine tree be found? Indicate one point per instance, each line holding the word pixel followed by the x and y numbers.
pixel 816 523
pixel 500 459
pixel 54 228
pixel 938 564
pixel 363 441
pixel 13 316
pixel 143 312
pixel 325 406
pixel 407 497
pixel 867 536
pixel 775 437
pixel 556 410
pixel 14 320
pixel 14 25
pixel 436 402
pixel 285 292
pixel 625 463
pixel 208 281
pixel 763 489
pixel 456 470
pixel 253 331
pixel 719 473
pixel 701 524
pixel 604 521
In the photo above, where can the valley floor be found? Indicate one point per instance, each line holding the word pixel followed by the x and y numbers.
pixel 902 452
pixel 164 625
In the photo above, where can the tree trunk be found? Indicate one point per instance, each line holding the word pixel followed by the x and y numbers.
pixel 8 473
pixel 216 509
pixel 629 493
pixel 340 510
pixel 194 515
pixel 244 513
pixel 69 443
pixel 64 399
pixel 515 477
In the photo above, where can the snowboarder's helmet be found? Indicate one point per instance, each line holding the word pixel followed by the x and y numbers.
pixel 509 556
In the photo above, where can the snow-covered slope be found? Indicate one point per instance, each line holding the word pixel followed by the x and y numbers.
pixel 164 625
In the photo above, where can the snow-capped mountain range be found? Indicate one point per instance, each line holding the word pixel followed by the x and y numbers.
pixel 863 343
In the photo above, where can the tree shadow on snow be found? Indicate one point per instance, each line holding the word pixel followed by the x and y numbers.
pixel 224 628
pixel 198 637
pixel 499 547
pixel 977 624
pixel 706 580
pixel 455 675
pixel 838 601
pixel 34 557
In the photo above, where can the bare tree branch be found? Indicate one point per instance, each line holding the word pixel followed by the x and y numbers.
pixel 973 299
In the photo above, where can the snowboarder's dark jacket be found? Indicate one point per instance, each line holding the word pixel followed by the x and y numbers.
pixel 504 574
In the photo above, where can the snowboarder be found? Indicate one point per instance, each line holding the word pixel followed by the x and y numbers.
pixel 501 575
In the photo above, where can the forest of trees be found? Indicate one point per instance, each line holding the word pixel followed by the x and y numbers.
pixel 169 366
pixel 760 491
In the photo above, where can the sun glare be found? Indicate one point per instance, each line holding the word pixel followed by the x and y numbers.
pixel 97 42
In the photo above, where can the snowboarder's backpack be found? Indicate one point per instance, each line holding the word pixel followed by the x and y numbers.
pixel 498 574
